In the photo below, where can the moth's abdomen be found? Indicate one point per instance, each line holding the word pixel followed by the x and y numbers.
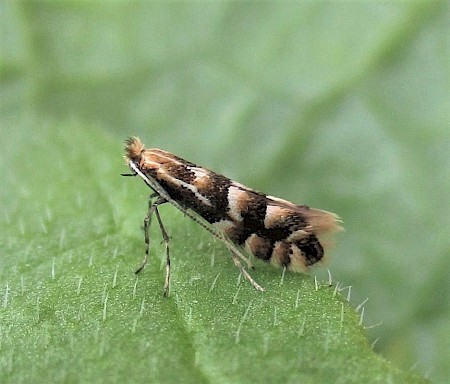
pixel 296 256
pixel 276 231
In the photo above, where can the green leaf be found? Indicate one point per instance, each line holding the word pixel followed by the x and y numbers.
pixel 341 106
pixel 74 311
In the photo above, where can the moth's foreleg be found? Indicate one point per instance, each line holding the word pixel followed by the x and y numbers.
pixel 244 272
pixel 166 238
pixel 152 207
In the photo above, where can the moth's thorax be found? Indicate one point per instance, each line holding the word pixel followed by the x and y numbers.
pixel 173 170
pixel 153 160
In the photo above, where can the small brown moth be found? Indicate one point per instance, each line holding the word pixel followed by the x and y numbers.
pixel 269 228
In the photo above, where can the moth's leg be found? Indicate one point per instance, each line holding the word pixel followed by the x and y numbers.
pixel 220 236
pixel 244 258
pixel 152 206
pixel 166 244
pixel 244 272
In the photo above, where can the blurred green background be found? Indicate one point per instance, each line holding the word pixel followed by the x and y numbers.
pixel 342 106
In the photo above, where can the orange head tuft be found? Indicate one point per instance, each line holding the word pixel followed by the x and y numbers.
pixel 133 149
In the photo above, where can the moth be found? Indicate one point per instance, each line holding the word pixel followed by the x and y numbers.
pixel 269 228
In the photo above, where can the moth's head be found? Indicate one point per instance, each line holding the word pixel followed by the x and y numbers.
pixel 133 149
